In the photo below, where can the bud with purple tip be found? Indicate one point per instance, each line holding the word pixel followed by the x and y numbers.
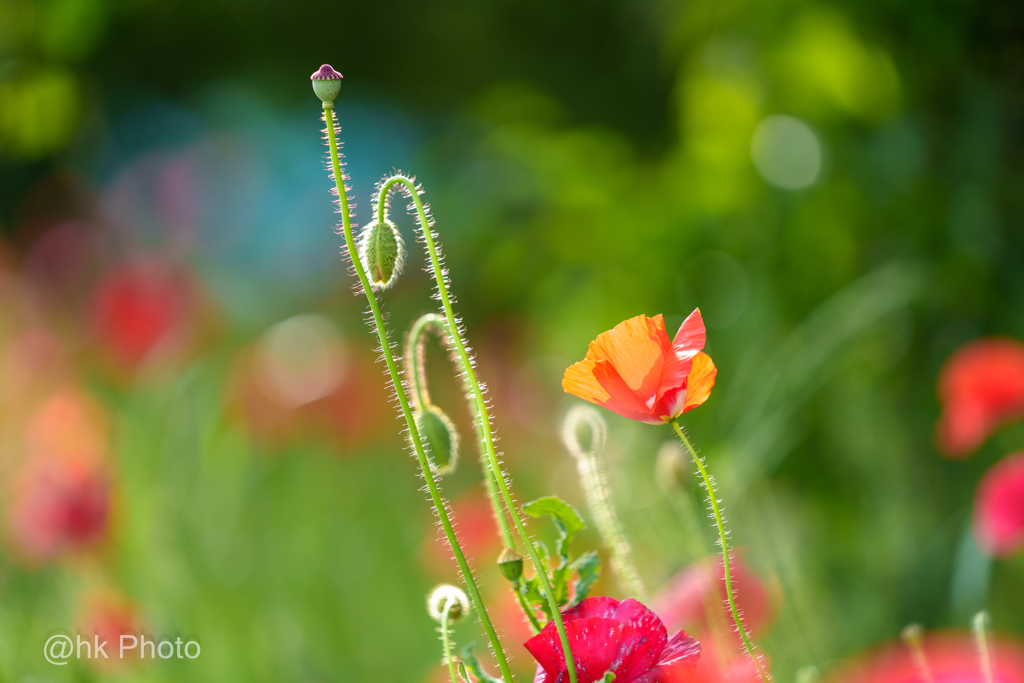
pixel 326 83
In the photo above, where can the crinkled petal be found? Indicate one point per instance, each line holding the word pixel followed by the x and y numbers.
pixel 637 348
pixel 600 383
pixel 598 644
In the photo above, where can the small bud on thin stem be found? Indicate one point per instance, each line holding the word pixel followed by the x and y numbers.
pixel 913 637
pixel 510 563
pixel 981 624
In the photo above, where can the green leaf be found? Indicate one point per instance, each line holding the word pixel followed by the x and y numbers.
pixel 588 566
pixel 566 518
pixel 473 664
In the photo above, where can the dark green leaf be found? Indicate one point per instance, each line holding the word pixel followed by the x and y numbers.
pixel 588 565
pixel 566 518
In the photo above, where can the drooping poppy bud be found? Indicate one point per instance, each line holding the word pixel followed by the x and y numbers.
pixel 326 83
pixel 382 252
pixel 440 597
pixel 440 438
pixel 511 564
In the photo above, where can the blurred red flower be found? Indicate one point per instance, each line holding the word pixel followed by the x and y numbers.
pixel 61 498
pixel 605 635
pixel 951 657
pixel 140 307
pixel 107 615
pixel 476 530
pixel 981 387
pixel 999 507
pixel 634 370
pixel 719 665
pixel 695 597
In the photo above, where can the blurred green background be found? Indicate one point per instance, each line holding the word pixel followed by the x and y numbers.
pixel 839 187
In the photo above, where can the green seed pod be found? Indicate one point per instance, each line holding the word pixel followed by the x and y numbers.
pixel 382 252
pixel 511 564
pixel 326 84
pixel 440 438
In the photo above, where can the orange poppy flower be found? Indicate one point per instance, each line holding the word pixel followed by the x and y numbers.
pixel 634 370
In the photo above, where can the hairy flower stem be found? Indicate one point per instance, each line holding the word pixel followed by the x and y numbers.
pixel 485 422
pixel 713 498
pixel 418 382
pixel 379 328
pixel 446 642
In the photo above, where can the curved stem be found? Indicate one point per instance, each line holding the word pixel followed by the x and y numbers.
pixel 713 497
pixel 431 322
pixel 446 643
pixel 379 328
pixel 485 422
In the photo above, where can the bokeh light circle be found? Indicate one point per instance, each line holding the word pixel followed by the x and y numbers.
pixel 786 152
pixel 299 360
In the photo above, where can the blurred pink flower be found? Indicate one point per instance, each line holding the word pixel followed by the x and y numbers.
pixel 605 635
pixel 61 499
pixel 981 387
pixel 695 597
pixel 141 307
pixel 716 666
pixel 999 507
pixel 951 657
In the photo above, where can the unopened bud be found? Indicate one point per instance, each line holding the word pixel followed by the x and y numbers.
pixel 440 437
pixel 511 564
pixel 382 252
pixel 441 596
pixel 326 83
pixel 672 467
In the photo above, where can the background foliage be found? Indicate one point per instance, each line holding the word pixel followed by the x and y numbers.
pixel 586 162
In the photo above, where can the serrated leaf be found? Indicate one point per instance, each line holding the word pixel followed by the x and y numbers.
pixel 473 664
pixel 588 566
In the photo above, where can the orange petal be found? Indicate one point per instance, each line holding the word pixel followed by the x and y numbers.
pixel 622 399
pixel 637 349
pixel 701 379
pixel 579 380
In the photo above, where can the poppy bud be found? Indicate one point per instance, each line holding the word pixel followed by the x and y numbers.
pixel 672 467
pixel 511 564
pixel 440 438
pixel 439 598
pixel 326 83
pixel 382 252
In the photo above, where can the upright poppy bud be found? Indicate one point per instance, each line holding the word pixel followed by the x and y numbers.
pixel 326 83
pixel 382 252
pixel 511 564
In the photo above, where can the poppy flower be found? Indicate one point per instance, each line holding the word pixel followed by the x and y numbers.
pixel 104 616
pixel 142 307
pixel 951 658
pixel 605 635
pixel 981 387
pixel 695 597
pixel 634 370
pixel 999 508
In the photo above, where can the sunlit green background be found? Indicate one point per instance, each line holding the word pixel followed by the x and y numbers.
pixel 838 186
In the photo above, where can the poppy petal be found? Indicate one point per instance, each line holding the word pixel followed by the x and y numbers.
pixel 701 379
pixel 579 380
pixel 999 510
pixel 637 348
pixel 691 337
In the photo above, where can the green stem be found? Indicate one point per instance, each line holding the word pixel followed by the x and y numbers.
pixel 528 610
pixel 379 328
pixel 484 421
pixel 446 643
pixel 432 322
pixel 713 497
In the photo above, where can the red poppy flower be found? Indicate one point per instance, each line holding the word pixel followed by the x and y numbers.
pixel 999 508
pixel 981 387
pixel 951 658
pixel 141 307
pixel 635 371
pixel 695 597
pixel 624 638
